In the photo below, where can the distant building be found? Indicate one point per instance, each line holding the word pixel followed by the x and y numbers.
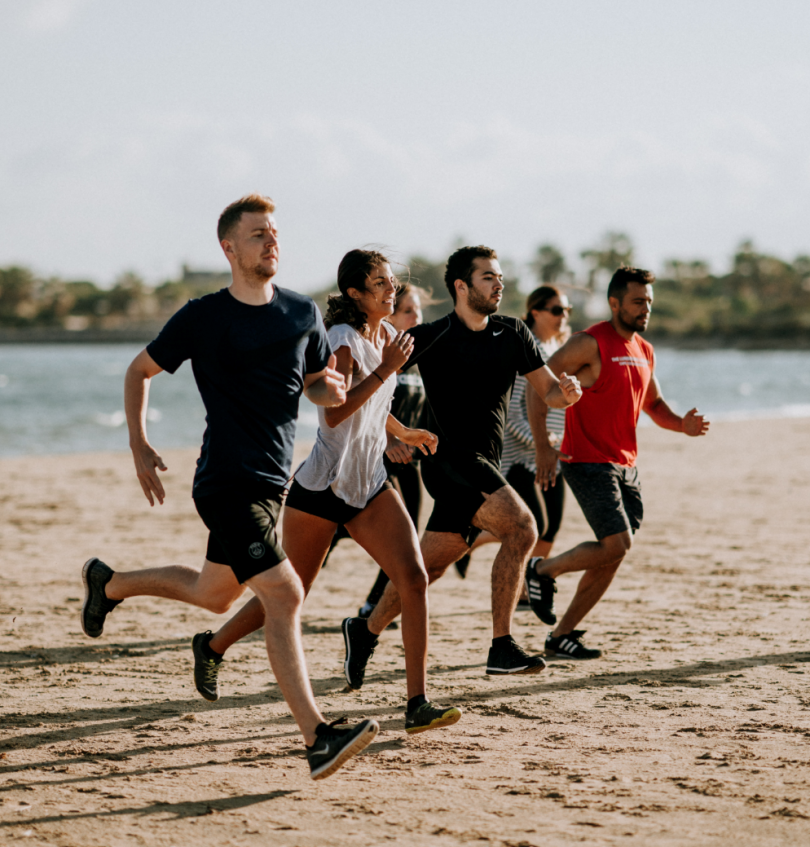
pixel 205 280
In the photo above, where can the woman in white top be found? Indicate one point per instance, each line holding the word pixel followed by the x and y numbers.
pixel 344 481
pixel 547 311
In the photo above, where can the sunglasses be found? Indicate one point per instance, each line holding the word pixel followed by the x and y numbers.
pixel 558 310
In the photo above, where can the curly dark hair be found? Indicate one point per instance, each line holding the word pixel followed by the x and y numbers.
pixel 353 271
pixel 462 263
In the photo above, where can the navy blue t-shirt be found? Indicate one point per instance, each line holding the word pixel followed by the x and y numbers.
pixel 249 363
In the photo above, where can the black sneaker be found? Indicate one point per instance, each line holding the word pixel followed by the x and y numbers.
pixel 541 591
pixel 96 606
pixel 430 716
pixel 511 658
pixel 360 646
pixel 333 747
pixel 206 669
pixel 462 564
pixel 570 646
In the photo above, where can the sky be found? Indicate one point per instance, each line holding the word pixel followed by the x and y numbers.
pixel 126 128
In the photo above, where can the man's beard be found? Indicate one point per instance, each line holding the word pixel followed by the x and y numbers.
pixel 479 303
pixel 635 326
pixel 255 276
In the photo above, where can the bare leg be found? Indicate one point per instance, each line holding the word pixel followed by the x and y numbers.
pixel 384 530
pixel 281 594
pixel 214 587
pixel 439 551
pixel 592 586
pixel 306 542
pixel 600 560
pixel 541 548
pixel 507 517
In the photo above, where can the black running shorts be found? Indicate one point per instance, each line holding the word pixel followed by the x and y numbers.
pixel 242 527
pixel 326 504
pixel 458 488
pixel 609 496
pixel 548 513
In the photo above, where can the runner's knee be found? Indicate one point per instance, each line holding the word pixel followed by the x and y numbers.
pixel 220 603
pixel 617 546
pixel 413 582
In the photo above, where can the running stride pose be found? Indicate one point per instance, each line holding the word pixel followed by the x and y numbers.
pixel 344 481
pixel 547 313
pixel 401 460
pixel 254 348
pixel 617 370
pixel 469 360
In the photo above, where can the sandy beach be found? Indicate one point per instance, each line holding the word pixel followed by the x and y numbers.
pixel 694 728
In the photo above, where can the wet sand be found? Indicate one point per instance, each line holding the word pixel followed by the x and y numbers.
pixel 693 729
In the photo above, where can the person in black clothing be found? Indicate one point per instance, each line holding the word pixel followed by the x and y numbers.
pixel 468 361
pixel 254 349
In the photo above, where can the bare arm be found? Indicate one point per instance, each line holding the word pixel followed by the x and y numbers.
pixel 692 423
pixel 421 438
pixel 136 398
pixel 394 355
pixel 326 387
pixel 575 357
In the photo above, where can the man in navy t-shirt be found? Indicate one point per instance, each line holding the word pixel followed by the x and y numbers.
pixel 254 349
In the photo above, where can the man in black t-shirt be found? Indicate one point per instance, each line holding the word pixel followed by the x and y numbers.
pixel 468 361
pixel 254 349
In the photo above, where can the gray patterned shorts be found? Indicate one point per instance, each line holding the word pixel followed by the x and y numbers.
pixel 609 496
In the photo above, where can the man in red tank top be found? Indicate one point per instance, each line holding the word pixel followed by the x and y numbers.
pixel 616 369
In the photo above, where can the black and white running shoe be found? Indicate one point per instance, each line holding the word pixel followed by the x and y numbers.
pixel 96 606
pixel 206 667
pixel 360 644
pixel 541 591
pixel 512 659
pixel 430 716
pixel 570 646
pixel 333 747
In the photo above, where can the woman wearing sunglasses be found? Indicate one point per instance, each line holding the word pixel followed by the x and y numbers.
pixel 547 311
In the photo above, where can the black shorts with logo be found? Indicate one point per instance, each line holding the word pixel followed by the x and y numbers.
pixel 609 496
pixel 242 525
pixel 458 486
pixel 326 504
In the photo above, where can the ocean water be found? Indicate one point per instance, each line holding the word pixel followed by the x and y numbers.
pixel 69 398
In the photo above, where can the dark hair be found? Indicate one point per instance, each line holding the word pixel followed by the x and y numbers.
pixel 233 214
pixel 353 271
pixel 623 277
pixel 538 299
pixel 462 264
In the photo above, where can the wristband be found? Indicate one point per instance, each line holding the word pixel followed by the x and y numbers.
pixel 378 377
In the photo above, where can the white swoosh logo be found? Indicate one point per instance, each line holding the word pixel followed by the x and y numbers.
pixel 496 333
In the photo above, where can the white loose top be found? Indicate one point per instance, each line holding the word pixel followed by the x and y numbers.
pixel 349 457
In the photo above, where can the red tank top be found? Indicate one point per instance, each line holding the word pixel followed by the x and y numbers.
pixel 601 427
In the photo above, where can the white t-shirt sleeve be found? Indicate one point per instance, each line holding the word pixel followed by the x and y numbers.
pixel 342 335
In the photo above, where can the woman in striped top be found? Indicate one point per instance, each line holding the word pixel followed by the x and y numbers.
pixel 547 311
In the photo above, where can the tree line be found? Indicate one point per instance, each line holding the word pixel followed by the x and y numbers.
pixel 759 297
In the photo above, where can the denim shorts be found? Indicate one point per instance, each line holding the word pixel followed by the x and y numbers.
pixel 609 496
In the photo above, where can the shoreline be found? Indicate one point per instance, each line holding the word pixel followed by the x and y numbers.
pixel 145 334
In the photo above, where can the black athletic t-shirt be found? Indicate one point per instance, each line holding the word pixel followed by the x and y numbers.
pixel 468 380
pixel 249 363
pixel 409 398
